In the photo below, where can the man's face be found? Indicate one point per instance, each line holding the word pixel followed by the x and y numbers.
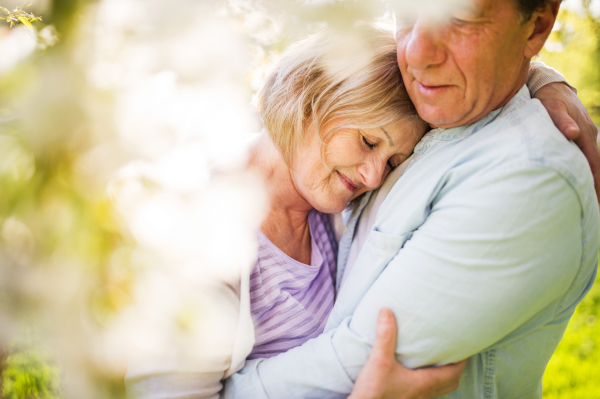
pixel 458 70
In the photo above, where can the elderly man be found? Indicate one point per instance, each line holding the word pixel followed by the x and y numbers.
pixel 481 249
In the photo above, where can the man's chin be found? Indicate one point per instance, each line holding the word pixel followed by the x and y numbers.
pixel 441 115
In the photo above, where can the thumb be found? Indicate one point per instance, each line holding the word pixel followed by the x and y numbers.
pixel 385 339
pixel 565 123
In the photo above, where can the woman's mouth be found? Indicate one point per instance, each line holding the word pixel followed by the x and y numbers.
pixel 347 182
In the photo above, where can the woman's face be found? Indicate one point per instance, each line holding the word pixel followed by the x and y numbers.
pixel 353 161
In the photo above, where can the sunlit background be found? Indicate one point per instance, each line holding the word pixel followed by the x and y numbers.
pixel 124 127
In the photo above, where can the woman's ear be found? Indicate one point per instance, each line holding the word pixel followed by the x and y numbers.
pixel 542 22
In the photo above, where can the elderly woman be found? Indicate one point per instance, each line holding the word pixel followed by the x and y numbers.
pixel 337 119
pixel 335 124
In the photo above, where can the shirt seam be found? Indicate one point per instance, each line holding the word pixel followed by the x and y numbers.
pixel 584 242
pixel 489 373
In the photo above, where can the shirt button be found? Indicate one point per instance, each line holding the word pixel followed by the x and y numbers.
pixel 344 229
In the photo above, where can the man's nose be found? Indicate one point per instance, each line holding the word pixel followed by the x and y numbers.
pixel 371 173
pixel 424 46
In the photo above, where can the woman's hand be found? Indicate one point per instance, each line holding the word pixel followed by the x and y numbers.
pixel 571 118
pixel 383 377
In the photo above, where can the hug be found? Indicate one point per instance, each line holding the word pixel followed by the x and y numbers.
pixel 470 223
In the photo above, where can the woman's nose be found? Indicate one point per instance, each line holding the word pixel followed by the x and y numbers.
pixel 424 46
pixel 371 173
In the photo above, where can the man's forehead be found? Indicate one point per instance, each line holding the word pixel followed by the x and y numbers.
pixel 442 9
pixel 483 8
pixel 478 8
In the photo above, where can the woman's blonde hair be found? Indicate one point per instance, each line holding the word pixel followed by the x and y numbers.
pixel 352 77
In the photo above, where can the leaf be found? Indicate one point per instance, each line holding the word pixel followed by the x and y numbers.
pixel 25 22
pixel 5 10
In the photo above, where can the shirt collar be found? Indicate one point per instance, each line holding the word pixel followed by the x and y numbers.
pixel 460 132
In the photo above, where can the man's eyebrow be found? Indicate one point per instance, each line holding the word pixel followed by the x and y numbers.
pixel 388 137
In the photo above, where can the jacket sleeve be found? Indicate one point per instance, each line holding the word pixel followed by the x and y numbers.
pixel 192 366
pixel 541 74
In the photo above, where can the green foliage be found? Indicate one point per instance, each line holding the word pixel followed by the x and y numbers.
pixel 29 376
pixel 574 49
pixel 56 220
pixel 69 219
pixel 17 16
pixel 573 371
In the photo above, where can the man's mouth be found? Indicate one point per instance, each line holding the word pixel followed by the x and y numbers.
pixel 431 90
pixel 347 182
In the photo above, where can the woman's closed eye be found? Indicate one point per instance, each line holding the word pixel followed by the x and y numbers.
pixel 370 145
pixel 367 142
pixel 396 160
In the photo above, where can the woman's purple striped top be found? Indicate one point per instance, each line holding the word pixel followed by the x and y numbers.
pixel 290 301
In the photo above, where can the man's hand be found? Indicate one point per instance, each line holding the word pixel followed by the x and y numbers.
pixel 383 377
pixel 571 118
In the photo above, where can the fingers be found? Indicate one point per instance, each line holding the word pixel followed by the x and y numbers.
pixel 570 117
pixel 383 377
pixel 590 149
pixel 445 374
pixel 567 125
pixel 455 370
pixel 377 376
pixel 587 142
pixel 443 379
pixel 559 100
pixel 564 122
pixel 385 336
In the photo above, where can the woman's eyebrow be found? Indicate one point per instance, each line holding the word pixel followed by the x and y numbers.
pixel 388 137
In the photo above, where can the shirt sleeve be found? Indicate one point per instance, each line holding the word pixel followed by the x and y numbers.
pixel 493 252
pixel 541 74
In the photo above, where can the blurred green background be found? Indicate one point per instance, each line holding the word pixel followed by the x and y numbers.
pixel 41 180
pixel 574 49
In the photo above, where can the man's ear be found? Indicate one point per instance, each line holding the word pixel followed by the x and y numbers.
pixel 541 22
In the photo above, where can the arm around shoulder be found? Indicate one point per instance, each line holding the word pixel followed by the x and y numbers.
pixel 541 75
pixel 458 286
pixel 492 253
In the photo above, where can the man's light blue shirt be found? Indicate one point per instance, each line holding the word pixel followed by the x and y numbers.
pixel 482 249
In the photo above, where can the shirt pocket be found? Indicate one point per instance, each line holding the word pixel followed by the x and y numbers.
pixel 376 253
pixel 386 241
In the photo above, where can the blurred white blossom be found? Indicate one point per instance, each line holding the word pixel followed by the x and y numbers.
pixel 15 45
pixel 162 106
pixel 182 113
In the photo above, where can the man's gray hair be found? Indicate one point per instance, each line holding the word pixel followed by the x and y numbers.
pixel 526 8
